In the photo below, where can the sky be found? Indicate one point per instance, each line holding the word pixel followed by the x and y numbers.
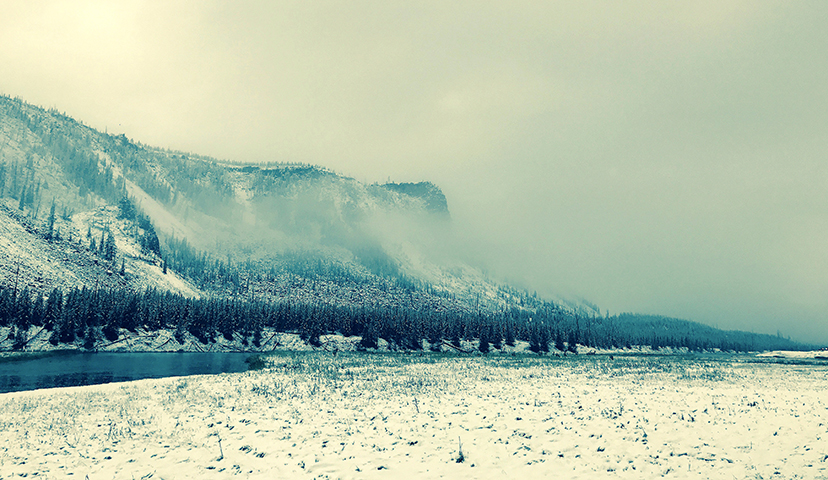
pixel 653 157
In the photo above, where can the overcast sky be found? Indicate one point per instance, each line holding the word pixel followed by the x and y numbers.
pixel 657 157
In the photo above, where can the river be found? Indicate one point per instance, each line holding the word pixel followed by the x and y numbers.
pixel 68 369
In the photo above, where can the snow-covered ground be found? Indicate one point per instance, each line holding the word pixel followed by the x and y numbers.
pixel 351 415
pixel 144 269
pixel 164 341
pixel 814 355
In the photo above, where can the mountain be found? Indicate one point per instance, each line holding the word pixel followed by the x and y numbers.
pixel 83 209
pixel 277 218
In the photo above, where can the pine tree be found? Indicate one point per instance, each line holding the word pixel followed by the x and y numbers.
pixel 30 197
pixel 496 337
pixel 23 309
pixel 54 305
pixel 539 337
pixel 572 344
pixel 2 178
pixel 89 338
pixel 51 222
pixel 510 332
pixel 559 341
pixel 370 334
pixel 127 209
pixel 108 245
pixel 484 345
pixel 435 336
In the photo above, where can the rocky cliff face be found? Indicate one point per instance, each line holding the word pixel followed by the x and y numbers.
pixel 274 230
pixel 431 194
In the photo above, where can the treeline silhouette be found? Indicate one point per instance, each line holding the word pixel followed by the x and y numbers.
pixel 90 315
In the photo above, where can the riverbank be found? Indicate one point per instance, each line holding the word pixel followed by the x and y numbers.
pixel 37 340
pixel 351 415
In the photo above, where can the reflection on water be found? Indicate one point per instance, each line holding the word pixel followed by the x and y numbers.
pixel 74 369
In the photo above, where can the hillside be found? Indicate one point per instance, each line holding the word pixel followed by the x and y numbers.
pixel 297 220
pixel 309 249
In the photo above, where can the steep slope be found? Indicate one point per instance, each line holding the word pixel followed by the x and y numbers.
pixel 32 259
pixel 273 226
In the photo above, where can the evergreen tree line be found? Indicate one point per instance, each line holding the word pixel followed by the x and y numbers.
pixel 243 278
pixel 89 315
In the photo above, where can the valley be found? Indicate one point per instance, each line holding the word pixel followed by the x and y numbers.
pixel 357 415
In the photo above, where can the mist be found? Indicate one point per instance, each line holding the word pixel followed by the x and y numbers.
pixel 650 157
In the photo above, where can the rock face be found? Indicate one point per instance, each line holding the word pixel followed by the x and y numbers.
pixel 431 194
pixel 277 229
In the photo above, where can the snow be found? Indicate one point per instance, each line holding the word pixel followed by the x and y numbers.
pixel 163 340
pixel 17 248
pixel 146 269
pixel 815 355
pixel 162 219
pixel 352 415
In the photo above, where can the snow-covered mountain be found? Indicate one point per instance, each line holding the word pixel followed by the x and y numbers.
pixel 272 230
pixel 189 245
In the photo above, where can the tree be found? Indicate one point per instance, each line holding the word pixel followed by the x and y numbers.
pixel 23 309
pixel 510 331
pixel 572 344
pixel 89 338
pixel 370 334
pixel 149 240
pixel 108 247
pixel 54 305
pixel 560 345
pixel 483 345
pixel 539 337
pixel 496 337
pixel 51 222
pixel 127 209
pixel 2 178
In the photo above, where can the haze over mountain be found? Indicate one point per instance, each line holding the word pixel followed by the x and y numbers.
pixel 656 157
pixel 175 242
pixel 297 217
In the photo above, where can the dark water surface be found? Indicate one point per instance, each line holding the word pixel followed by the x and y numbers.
pixel 73 369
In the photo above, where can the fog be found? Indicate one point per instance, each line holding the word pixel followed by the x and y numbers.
pixel 653 157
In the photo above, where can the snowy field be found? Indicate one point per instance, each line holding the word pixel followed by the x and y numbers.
pixel 352 415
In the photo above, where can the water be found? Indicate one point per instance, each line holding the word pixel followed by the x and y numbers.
pixel 73 369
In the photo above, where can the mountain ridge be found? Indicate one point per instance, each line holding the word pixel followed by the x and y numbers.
pixel 319 251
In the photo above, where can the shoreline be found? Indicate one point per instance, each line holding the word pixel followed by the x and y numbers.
pixel 410 416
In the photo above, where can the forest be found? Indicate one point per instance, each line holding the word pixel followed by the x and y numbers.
pixel 88 315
